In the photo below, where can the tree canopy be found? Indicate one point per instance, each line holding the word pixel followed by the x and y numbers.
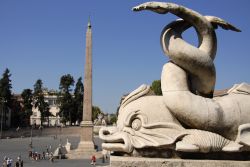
pixel 95 112
pixel 65 98
pixel 5 94
pixel 39 101
pixel 66 82
pixel 27 97
pixel 5 87
pixel 113 119
pixel 156 87
pixel 78 100
pixel 70 102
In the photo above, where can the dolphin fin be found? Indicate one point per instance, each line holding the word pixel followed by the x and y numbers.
pixel 242 88
pixel 137 93
pixel 216 21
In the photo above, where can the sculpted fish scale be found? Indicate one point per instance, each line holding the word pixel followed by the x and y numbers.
pixel 206 141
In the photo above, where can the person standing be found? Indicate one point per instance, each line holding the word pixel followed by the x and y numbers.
pixel 51 157
pixel 21 163
pixel 43 157
pixel 93 160
pixel 8 162
pixel 17 164
pixel 4 163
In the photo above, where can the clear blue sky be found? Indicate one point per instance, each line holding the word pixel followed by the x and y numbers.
pixel 46 39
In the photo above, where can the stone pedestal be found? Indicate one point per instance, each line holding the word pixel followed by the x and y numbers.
pixel 84 150
pixel 121 161
pixel 86 147
pixel 87 131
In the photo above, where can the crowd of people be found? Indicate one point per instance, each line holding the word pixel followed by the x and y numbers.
pixel 34 155
pixel 7 162
pixel 45 155
pixel 37 156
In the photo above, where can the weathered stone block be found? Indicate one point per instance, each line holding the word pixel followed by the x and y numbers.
pixel 116 161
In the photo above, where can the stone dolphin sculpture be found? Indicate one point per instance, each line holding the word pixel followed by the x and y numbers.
pixel 144 121
pixel 197 61
pixel 186 118
pixel 198 65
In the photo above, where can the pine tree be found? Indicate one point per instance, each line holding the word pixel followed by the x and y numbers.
pixel 27 97
pixel 5 87
pixel 78 100
pixel 5 93
pixel 39 101
pixel 65 98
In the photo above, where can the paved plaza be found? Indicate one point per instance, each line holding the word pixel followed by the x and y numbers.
pixel 14 147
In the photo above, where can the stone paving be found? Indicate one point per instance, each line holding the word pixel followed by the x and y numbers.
pixel 20 146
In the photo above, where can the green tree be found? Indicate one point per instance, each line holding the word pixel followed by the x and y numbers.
pixel 78 100
pixel 46 112
pixel 65 98
pixel 39 101
pixel 113 119
pixel 5 93
pixel 95 112
pixel 17 115
pixel 27 97
pixel 156 87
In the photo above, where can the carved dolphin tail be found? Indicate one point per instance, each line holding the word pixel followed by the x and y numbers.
pixel 198 62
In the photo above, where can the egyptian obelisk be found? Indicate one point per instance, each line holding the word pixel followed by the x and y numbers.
pixel 86 146
pixel 87 124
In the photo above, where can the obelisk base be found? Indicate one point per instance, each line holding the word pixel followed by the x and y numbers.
pixel 86 147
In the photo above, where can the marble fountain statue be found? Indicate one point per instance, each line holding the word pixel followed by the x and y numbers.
pixel 186 118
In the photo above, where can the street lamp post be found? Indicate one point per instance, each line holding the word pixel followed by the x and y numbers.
pixel 31 133
pixel 60 135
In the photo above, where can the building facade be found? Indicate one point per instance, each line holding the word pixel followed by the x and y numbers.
pixel 35 118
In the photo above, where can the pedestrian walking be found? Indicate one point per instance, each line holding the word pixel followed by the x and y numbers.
pixel 5 162
pixel 51 157
pixel 93 160
pixel 21 164
pixel 30 154
pixel 43 156
pixel 47 148
pixel 8 162
pixel 17 164
pixel 103 158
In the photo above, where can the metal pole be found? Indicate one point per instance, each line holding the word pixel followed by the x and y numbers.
pixel 31 131
pixel 60 135
pixel 56 130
